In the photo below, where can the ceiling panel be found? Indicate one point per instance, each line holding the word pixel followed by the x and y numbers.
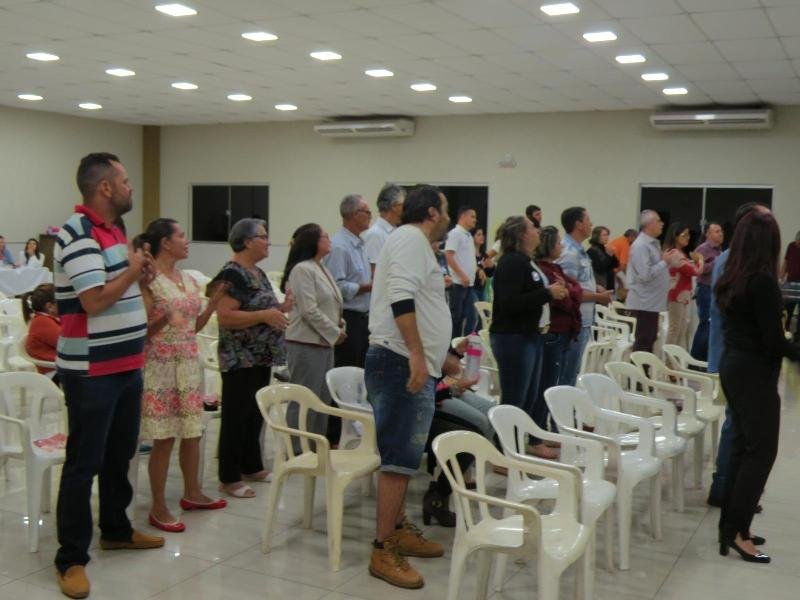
pixel 734 24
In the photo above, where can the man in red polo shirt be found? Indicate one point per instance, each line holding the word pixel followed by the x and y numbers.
pixel 99 361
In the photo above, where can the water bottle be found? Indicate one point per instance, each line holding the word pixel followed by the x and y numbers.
pixel 474 353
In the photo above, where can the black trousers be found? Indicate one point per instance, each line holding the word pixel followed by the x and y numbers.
pixel 351 353
pixel 443 423
pixel 751 385
pixel 646 330
pixel 240 429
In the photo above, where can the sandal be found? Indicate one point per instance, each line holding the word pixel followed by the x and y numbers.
pixel 237 490
pixel 263 476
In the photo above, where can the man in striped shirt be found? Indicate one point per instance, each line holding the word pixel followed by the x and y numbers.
pixel 100 357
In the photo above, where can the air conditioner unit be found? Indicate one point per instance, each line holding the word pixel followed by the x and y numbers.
pixel 760 118
pixel 366 128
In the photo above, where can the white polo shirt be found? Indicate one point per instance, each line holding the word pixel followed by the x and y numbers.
pixel 375 237
pixel 408 270
pixel 459 241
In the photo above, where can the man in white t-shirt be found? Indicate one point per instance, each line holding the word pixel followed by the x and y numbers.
pixel 409 326
pixel 460 252
pixel 390 209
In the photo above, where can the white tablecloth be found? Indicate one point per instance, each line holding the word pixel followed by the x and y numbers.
pixel 14 282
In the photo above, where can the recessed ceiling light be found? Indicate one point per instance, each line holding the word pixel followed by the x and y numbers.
pixel 628 59
pixel 260 36
pixel 562 8
pixel 325 55
pixel 239 97
pixel 705 117
pixel 285 107
pixel 90 106
pixel 121 72
pixel 675 91
pixel 460 99
pixel 30 97
pixel 176 10
pixel 42 56
pixel 655 76
pixel 423 87
pixel 599 36
pixel 184 85
pixel 379 73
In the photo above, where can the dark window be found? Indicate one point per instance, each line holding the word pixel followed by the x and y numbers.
pixel 216 207
pixel 721 205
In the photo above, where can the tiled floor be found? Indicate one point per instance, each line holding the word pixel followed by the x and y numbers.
pixel 219 555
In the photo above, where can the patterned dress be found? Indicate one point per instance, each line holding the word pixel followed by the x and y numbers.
pixel 173 402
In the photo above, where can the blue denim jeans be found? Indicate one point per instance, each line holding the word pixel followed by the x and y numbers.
pixel 462 309
pixel 104 414
pixel 519 361
pixel 402 419
pixel 553 352
pixel 700 341
pixel 573 353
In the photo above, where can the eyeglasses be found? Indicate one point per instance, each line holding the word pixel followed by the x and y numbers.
pixel 261 237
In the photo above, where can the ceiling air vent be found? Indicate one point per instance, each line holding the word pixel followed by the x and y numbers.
pixel 370 128
pixel 761 118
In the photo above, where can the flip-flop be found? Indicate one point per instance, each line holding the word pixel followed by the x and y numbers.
pixel 241 490
pixel 261 476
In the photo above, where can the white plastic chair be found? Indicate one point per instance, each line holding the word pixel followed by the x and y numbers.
pixel 702 384
pixel 605 392
pixel 338 467
pixel 485 313
pixel 571 408
pixel 680 360
pixel 513 427
pixel 22 350
pixel 35 389
pixel 615 315
pixel 556 540
pixel 596 355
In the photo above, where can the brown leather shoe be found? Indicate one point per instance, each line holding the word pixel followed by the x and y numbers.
pixel 73 582
pixel 411 542
pixel 388 564
pixel 138 541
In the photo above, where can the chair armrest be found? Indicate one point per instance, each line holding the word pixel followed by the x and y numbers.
pixel 610 444
pixel 706 383
pixel 667 408
pixel 320 440
pixel 687 395
pixel 529 514
pixel 571 469
pixel 647 435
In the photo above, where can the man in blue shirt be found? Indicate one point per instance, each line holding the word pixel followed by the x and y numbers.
pixel 5 255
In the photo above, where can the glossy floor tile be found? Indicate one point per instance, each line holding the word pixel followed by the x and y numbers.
pixel 219 556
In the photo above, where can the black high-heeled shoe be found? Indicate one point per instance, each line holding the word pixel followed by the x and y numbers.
pixel 756 539
pixel 434 506
pixel 758 557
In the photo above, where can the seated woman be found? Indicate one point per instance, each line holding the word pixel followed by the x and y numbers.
pixel 31 257
pixel 40 312
pixel 457 409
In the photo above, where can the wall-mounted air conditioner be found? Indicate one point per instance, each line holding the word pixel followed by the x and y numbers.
pixel 366 128
pixel 760 118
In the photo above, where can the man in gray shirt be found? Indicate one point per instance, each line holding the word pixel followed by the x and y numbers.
pixel 648 279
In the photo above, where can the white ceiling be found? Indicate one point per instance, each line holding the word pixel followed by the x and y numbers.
pixel 506 54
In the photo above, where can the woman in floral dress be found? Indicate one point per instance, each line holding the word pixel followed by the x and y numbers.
pixel 172 403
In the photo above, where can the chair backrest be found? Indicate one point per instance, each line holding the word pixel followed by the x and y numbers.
pixel 22 350
pixel 650 364
pixel 485 313
pixel 273 400
pixel 12 326
pixel 31 390
pixel 596 355
pixel 488 355
pixel 447 447
pixel 628 377
pixel 569 406
pixel 347 388
pixel 604 393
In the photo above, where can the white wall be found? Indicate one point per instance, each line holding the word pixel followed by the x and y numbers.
pixel 595 159
pixel 39 154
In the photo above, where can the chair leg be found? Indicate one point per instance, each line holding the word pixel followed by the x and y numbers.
pixel 548 576
pixel 309 488
pixel 273 497
pixel 334 492
pixel 655 505
pixel 457 564
pixel 584 574
pixel 33 489
pixel 624 526
pixel 484 570
pixel 500 564
pixel 677 482
pixel 698 459
pixel 609 535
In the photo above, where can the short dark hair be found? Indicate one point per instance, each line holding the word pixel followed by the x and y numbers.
pixel 156 231
pixel 464 208
pixel 530 209
pixel 418 201
pixel 511 233
pixel 92 170
pixel 390 195
pixel 570 216
pixel 631 232
pixel 305 243
pixel 708 225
